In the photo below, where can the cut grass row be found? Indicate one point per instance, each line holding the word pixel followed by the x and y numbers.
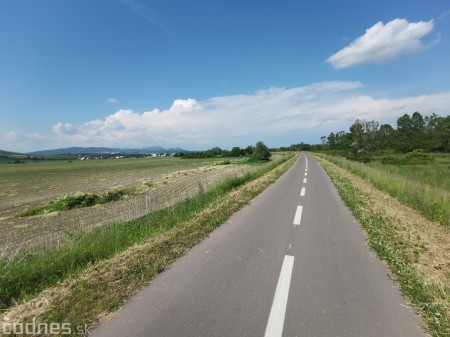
pixel 79 200
pixel 23 277
pixel 432 202
pixel 431 301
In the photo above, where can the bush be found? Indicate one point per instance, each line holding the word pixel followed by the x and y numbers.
pixel 411 158
pixel 419 156
pixel 261 152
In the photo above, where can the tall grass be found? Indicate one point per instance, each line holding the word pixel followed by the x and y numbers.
pixel 432 200
pixel 434 174
pixel 23 277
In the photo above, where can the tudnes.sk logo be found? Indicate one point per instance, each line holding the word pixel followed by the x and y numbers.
pixel 37 328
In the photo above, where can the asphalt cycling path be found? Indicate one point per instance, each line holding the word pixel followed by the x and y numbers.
pixel 292 263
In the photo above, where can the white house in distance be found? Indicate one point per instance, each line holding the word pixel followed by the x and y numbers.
pixel 156 155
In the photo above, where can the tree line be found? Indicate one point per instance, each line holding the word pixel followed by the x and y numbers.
pixel 258 152
pixel 428 133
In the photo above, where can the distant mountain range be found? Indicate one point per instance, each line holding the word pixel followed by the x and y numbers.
pixel 87 150
pixel 7 153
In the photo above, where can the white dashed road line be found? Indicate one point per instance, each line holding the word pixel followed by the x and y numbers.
pixel 298 216
pixel 278 311
pixel 302 192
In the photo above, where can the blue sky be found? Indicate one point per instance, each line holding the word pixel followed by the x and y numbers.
pixel 198 74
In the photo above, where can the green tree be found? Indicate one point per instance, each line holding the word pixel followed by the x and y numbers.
pixel 261 152
pixel 343 140
pixel 442 133
pixel 418 124
pixel 331 141
pixel 404 134
pixel 248 150
pixel 435 134
pixel 364 135
pixel 386 136
pixel 411 132
pixel 236 152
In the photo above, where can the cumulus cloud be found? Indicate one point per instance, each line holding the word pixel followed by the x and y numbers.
pixel 278 116
pixel 21 140
pixel 274 114
pixel 383 42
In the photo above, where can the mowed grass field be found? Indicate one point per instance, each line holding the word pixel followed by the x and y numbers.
pixel 156 183
pixel 46 179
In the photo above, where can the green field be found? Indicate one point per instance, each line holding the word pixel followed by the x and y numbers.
pixel 422 186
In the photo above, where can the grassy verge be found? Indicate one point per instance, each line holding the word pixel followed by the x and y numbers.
pixel 401 250
pixel 432 202
pixel 96 273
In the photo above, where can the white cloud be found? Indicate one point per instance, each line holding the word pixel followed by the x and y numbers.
pixel 21 141
pixel 112 100
pixel 17 136
pixel 278 116
pixel 383 42
pixel 65 128
pixel 273 114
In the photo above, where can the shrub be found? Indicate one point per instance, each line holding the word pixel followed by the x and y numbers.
pixel 261 152
pixel 419 156
pixel 414 157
